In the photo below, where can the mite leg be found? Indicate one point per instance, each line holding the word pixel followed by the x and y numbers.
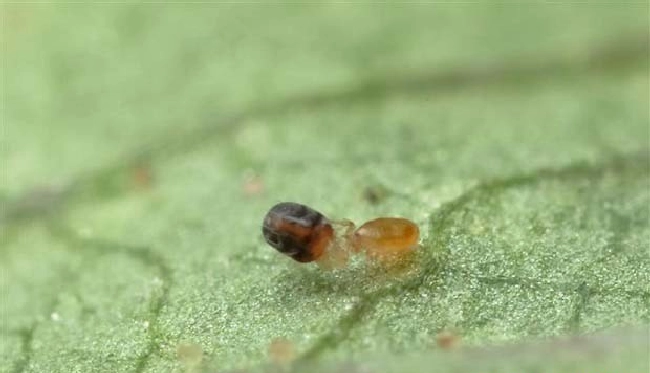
pixel 337 255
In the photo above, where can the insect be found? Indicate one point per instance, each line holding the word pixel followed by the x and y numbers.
pixel 306 235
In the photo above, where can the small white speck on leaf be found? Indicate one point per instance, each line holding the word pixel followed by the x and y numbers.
pixel 85 232
pixel 157 281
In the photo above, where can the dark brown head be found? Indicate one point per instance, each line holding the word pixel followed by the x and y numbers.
pixel 297 231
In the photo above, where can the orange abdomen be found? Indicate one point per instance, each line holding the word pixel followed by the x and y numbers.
pixel 386 237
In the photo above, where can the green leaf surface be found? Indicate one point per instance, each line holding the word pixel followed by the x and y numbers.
pixel 142 145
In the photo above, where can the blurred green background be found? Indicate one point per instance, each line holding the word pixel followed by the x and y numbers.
pixel 143 144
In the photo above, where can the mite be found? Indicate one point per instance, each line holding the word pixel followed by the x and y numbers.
pixel 306 235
